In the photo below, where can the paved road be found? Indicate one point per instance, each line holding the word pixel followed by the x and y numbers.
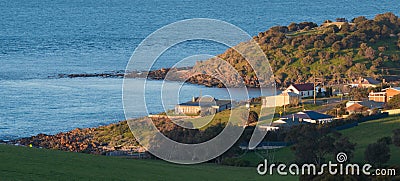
pixel 328 103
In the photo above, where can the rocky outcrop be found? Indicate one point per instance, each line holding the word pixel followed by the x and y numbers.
pixel 112 74
pixel 88 140
pixel 77 140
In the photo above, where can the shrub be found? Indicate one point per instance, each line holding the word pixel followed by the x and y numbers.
pixel 377 153
pixel 237 162
pixel 396 137
pixel 393 103
pixel 387 140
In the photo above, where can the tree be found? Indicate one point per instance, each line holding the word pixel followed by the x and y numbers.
pixel 313 144
pixel 308 60
pixel 387 140
pixel 369 53
pixel 398 43
pixel 319 44
pixel 336 46
pixel 331 29
pixel 343 144
pixel 359 93
pixel 253 117
pixel 293 27
pixel 348 60
pixel 396 137
pixel 345 28
pixel 377 153
pixel 393 103
pixel 331 38
pixel 359 19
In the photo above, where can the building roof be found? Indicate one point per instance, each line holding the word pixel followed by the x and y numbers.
pixel 287 122
pixel 308 115
pixel 355 108
pixel 290 94
pixel 369 80
pixel 357 105
pixel 377 93
pixel 372 104
pixel 304 87
pixel 366 80
pixel 206 101
pixel 394 88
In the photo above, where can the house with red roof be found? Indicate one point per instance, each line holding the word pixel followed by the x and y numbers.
pixel 362 106
pixel 304 90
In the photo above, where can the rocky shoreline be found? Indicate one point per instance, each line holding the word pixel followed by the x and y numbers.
pixel 100 140
pixel 171 74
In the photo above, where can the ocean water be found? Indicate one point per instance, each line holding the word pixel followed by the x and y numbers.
pixel 39 39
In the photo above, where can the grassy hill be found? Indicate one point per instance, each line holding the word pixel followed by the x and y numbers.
pixel 300 51
pixel 23 163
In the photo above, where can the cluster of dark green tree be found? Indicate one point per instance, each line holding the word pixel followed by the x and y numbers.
pixel 315 144
pixel 300 51
pixel 376 154
pixel 393 103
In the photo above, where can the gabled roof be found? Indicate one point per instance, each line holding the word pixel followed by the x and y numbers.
pixel 355 107
pixel 371 104
pixel 394 88
pixel 366 80
pixel 304 87
pixel 368 104
pixel 205 101
pixel 308 115
pixel 369 80
pixel 287 122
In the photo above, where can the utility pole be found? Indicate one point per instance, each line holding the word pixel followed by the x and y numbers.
pixel 284 102
pixel 315 95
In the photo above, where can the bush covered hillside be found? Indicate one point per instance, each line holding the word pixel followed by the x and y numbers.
pixel 335 52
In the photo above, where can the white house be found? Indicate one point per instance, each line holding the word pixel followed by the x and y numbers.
pixel 304 90
pixel 309 116
pixel 303 117
pixel 285 98
pixel 206 105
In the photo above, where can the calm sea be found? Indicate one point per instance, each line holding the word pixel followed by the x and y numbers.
pixel 44 38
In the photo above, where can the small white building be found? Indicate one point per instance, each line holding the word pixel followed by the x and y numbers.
pixel 310 117
pixel 205 105
pixel 304 90
pixel 286 98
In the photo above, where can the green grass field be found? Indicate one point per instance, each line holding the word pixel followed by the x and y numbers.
pixel 22 163
pixel 369 132
pixel 363 134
